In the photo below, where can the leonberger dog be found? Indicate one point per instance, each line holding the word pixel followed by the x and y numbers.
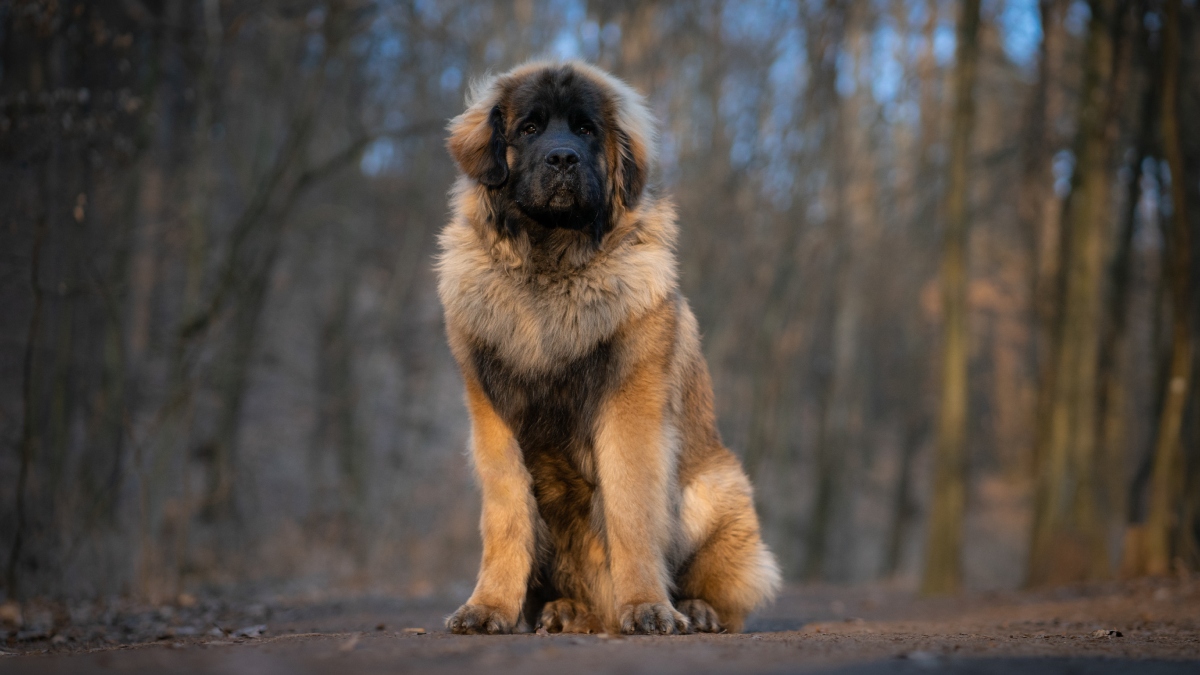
pixel 609 501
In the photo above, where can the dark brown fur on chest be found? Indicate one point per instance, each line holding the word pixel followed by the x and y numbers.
pixel 552 415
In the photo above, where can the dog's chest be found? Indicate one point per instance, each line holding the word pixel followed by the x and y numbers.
pixel 552 327
pixel 552 414
pixel 552 409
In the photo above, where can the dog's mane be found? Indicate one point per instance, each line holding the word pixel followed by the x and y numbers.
pixel 542 307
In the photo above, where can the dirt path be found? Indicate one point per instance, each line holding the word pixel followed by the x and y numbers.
pixel 1147 627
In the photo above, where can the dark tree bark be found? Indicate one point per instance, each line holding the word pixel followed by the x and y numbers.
pixel 1068 533
pixel 1167 479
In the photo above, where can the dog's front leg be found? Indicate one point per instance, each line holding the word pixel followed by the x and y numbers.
pixel 507 524
pixel 635 461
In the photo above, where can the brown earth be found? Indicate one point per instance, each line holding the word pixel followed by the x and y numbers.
pixel 1138 627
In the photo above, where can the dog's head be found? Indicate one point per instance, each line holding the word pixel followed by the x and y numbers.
pixel 564 145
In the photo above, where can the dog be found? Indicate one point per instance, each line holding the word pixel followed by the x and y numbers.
pixel 609 501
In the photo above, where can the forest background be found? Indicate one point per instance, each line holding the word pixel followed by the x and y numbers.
pixel 940 252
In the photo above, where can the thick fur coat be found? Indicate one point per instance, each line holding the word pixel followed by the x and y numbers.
pixel 609 502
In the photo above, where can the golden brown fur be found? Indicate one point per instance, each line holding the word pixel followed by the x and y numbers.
pixel 609 502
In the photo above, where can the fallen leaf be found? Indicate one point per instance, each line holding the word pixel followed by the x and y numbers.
pixel 414 631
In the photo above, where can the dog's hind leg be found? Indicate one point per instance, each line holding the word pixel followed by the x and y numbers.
pixel 730 571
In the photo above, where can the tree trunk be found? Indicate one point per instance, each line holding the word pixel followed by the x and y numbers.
pixel 1047 235
pixel 1039 199
pixel 834 443
pixel 1167 479
pixel 902 504
pixel 1068 535
pixel 1114 373
pixel 943 553
pixel 916 418
pixel 30 434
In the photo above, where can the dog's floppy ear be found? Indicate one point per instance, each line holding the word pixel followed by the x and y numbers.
pixel 630 170
pixel 633 140
pixel 478 145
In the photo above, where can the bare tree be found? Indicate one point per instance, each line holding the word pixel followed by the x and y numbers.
pixel 1068 533
pixel 1168 476
pixel 943 553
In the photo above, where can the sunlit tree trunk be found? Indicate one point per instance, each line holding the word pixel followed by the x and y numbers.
pixel 943 553
pixel 1166 483
pixel 1068 535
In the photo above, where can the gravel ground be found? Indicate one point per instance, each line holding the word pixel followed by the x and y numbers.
pixel 1138 627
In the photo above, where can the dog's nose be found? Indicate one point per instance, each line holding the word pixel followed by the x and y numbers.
pixel 562 158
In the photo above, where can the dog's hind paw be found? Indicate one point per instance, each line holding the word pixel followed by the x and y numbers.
pixel 569 616
pixel 702 616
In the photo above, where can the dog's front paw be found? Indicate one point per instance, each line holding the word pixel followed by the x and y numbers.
pixel 480 619
pixel 658 618
pixel 569 616
pixel 701 615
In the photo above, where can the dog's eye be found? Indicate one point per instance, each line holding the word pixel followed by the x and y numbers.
pixel 584 130
pixel 530 128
